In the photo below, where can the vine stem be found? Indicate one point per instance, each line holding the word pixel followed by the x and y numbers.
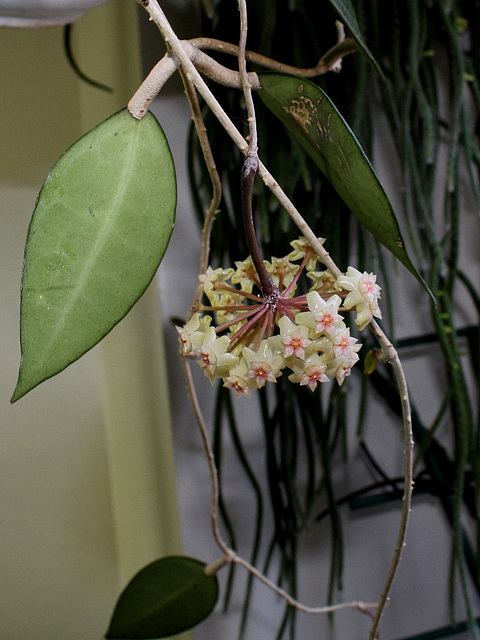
pixel 391 356
pixel 229 555
pixel 389 352
pixel 330 60
pixel 191 73
pixel 166 67
pixel 250 166
pixel 213 208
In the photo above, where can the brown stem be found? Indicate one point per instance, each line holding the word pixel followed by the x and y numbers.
pixel 327 62
pixel 249 172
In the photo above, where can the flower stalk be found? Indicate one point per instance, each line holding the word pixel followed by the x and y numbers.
pixel 249 172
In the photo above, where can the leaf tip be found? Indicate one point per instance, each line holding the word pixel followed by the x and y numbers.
pixel 27 380
pixel 18 392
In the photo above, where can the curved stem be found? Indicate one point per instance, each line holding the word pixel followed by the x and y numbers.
pixel 212 211
pixel 328 62
pixel 148 90
pixel 391 356
pixel 388 350
pixel 249 172
pixel 164 69
pixel 210 458
pixel 228 555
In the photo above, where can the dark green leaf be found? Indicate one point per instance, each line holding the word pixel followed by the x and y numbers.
pixel 346 13
pixel 102 222
pixel 312 118
pixel 165 598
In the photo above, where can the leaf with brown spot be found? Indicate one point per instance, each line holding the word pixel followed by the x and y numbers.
pixel 312 118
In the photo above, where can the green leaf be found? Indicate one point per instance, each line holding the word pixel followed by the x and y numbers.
pixel 311 117
pixel 101 224
pixel 346 13
pixel 165 598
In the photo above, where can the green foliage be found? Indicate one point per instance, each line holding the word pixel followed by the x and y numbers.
pixel 167 597
pixel 102 222
pixel 309 114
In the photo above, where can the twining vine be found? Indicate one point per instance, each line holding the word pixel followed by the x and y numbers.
pixel 424 48
pixel 285 331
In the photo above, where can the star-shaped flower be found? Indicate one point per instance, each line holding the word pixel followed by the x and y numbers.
pixel 263 365
pixel 237 379
pixel 282 271
pixel 310 372
pixel 245 275
pixel 323 316
pixel 344 344
pixel 341 367
pixel 211 279
pixel 293 338
pixel 213 355
pixel 192 333
pixel 262 330
pixel 364 294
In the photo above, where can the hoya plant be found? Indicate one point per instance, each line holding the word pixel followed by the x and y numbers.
pixel 286 329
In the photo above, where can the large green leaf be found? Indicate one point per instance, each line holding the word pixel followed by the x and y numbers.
pixel 346 13
pixel 101 225
pixel 314 121
pixel 165 598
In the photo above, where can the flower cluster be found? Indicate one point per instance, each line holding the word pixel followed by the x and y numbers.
pixel 247 339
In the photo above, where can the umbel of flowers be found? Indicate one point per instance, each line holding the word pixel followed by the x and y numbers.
pixel 247 339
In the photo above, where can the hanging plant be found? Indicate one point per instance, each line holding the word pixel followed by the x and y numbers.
pixel 286 331
pixel 420 47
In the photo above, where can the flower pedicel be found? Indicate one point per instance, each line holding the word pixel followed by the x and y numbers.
pixel 256 338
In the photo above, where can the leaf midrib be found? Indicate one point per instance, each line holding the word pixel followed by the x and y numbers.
pixel 107 226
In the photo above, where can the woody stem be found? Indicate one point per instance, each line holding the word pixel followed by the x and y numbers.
pixel 250 166
pixel 248 176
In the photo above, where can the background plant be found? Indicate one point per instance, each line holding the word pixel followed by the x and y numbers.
pixel 283 414
pixel 429 95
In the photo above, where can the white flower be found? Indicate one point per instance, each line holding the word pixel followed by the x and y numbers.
pixel 306 333
pixel 364 294
pixel 263 365
pixel 211 279
pixel 192 334
pixel 340 367
pixel 293 338
pixel 282 271
pixel 323 316
pixel 344 345
pixel 237 379
pixel 213 355
pixel 245 275
pixel 323 280
pixel 310 372
pixel 229 299
pixel 300 247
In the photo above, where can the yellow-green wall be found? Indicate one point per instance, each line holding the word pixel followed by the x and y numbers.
pixel 86 469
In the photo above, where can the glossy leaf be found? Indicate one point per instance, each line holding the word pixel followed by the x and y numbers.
pixel 314 121
pixel 167 597
pixel 346 13
pixel 100 227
